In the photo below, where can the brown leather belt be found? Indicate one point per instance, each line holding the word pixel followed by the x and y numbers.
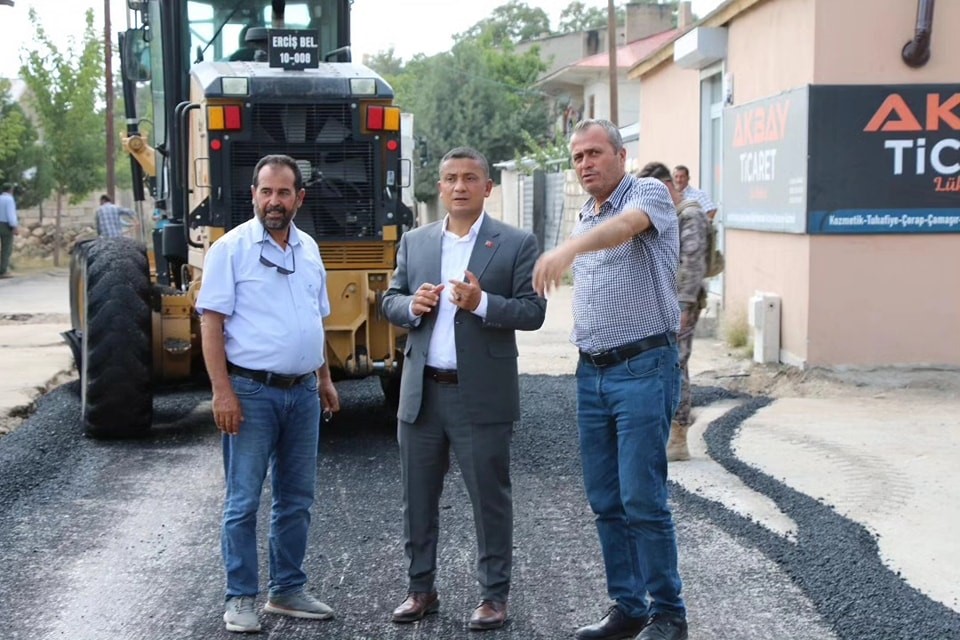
pixel 268 378
pixel 627 351
pixel 440 376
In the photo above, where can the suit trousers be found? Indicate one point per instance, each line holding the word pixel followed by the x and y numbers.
pixel 483 454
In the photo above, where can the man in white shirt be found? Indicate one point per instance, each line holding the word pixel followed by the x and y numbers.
pixel 462 288
pixel 9 227
pixel 681 180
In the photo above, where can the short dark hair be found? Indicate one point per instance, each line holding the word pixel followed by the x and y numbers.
pixel 656 170
pixel 6 186
pixel 105 199
pixel 458 153
pixel 281 160
pixel 683 168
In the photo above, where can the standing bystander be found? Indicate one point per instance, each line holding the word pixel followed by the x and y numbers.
pixel 624 252
pixel 694 247
pixel 112 220
pixel 9 227
pixel 263 300
pixel 460 386
pixel 681 180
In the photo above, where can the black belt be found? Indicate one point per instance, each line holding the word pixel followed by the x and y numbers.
pixel 627 351
pixel 267 377
pixel 440 376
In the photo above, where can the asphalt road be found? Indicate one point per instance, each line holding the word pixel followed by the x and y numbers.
pixel 119 540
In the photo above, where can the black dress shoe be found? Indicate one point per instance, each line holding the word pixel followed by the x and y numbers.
pixel 416 606
pixel 664 626
pixel 616 625
pixel 489 614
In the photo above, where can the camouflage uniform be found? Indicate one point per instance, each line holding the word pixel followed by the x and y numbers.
pixel 694 244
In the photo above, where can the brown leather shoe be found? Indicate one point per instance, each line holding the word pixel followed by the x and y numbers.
pixel 489 614
pixel 416 606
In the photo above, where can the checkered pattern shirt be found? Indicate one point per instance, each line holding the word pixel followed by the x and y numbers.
pixel 113 220
pixel 629 292
pixel 701 198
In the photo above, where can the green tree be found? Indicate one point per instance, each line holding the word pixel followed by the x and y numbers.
pixel 22 161
pixel 476 95
pixel 513 22
pixel 67 95
pixel 578 17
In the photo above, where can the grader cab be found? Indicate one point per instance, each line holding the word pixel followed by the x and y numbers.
pixel 229 81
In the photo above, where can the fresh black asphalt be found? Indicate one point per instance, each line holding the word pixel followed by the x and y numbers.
pixel 119 540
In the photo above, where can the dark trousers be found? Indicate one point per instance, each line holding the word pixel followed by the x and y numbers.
pixel 6 246
pixel 483 454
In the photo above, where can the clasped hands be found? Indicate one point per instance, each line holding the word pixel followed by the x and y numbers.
pixel 465 295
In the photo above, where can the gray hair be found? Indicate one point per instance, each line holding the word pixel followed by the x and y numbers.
pixel 612 131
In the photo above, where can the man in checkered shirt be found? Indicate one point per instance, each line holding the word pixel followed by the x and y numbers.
pixel 625 253
pixel 112 221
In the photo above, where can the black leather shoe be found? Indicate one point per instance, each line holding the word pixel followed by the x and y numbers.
pixel 664 626
pixel 489 614
pixel 416 606
pixel 616 625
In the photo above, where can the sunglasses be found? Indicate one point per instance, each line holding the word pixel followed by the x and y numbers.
pixel 267 263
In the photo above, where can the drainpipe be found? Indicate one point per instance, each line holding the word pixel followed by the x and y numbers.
pixel 916 52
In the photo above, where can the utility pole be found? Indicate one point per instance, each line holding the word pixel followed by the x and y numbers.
pixel 108 60
pixel 612 50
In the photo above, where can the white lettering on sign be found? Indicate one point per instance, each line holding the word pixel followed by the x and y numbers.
pixel 285 42
pixel 307 42
pixel 939 160
pixel 758 166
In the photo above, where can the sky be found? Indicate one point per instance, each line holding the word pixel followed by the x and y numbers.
pixel 409 26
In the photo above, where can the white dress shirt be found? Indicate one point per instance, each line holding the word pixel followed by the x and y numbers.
pixel 454 257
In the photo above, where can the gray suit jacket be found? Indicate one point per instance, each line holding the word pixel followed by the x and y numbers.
pixel 502 259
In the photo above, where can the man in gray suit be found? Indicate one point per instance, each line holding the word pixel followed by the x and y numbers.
pixel 462 287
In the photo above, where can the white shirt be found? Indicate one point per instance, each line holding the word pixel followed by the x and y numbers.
pixel 700 197
pixel 274 322
pixel 454 257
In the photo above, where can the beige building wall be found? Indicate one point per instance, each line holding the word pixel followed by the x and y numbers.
pixel 775 263
pixel 884 300
pixel 857 300
pixel 669 120
pixel 859 42
pixel 770 51
pixel 898 292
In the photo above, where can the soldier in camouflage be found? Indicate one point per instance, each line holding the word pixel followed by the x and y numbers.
pixel 691 292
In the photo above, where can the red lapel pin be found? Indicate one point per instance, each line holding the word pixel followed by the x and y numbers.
pixel 488 244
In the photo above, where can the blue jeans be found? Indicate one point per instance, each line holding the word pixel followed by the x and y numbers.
pixel 280 431
pixel 624 413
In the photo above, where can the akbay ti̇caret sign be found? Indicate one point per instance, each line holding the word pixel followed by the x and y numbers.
pixel 765 166
pixel 884 159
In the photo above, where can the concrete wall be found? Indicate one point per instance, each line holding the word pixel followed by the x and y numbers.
pixel 863 300
pixel 670 119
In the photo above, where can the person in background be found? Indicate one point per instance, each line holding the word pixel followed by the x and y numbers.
pixel 462 288
pixel 691 292
pixel 681 180
pixel 262 304
pixel 112 221
pixel 624 251
pixel 9 227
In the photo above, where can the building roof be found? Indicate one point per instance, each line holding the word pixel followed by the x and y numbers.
pixel 627 57
pixel 720 16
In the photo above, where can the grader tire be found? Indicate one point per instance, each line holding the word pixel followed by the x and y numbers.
pixel 116 365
